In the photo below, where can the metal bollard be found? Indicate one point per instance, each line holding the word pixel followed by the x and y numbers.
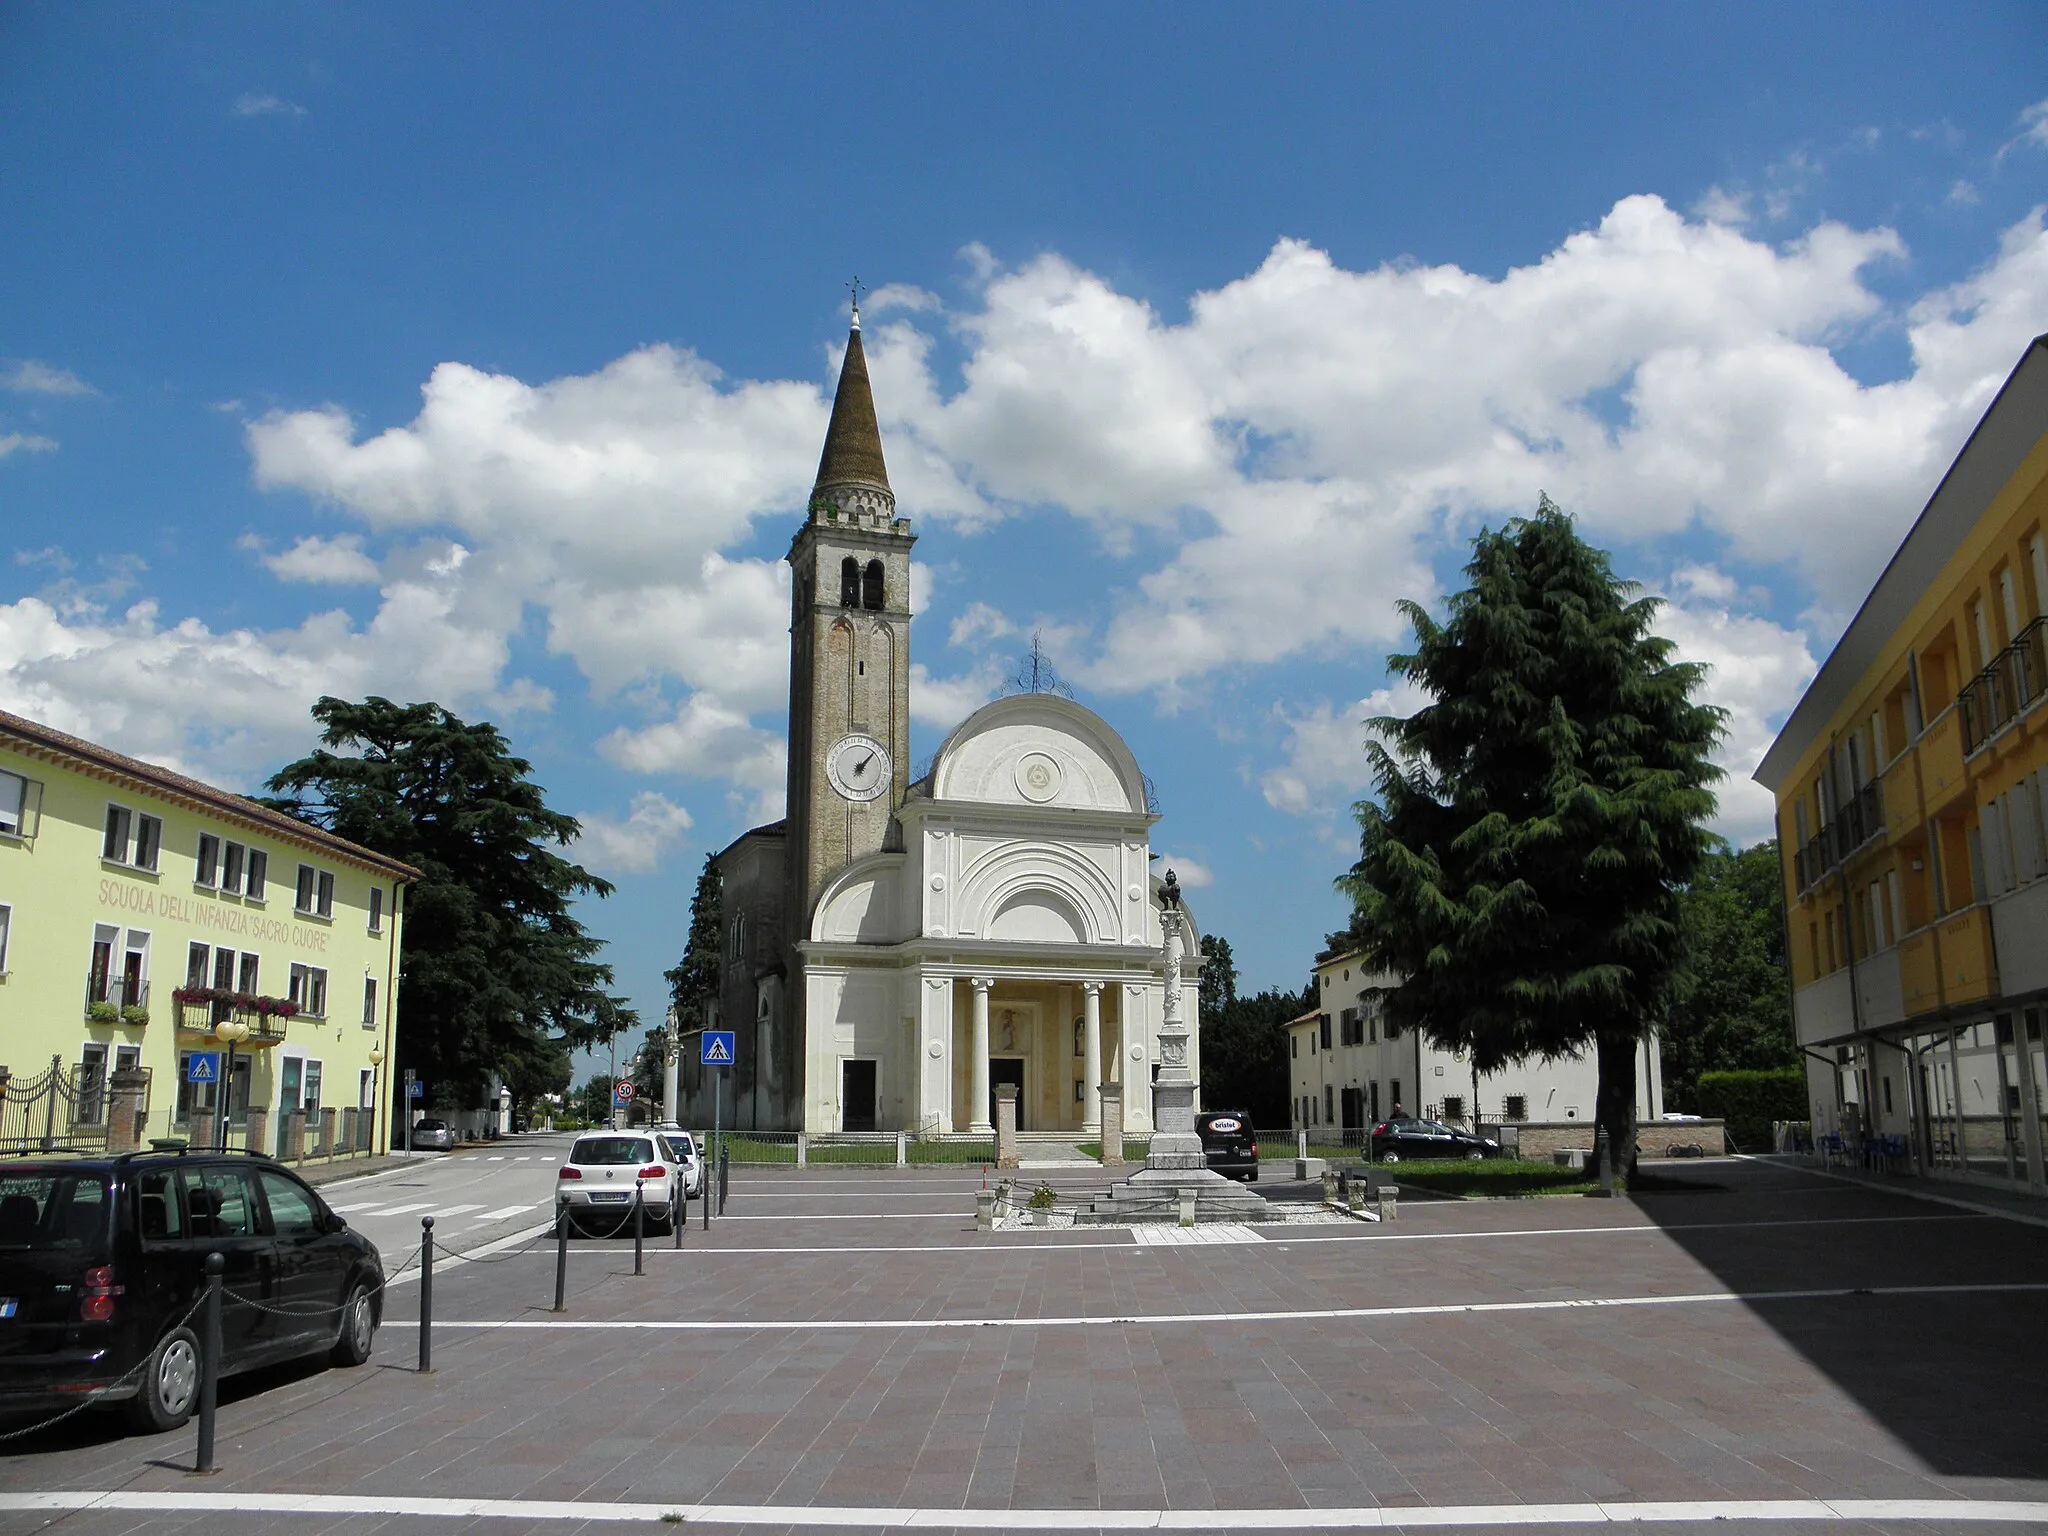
pixel 209 1363
pixel 639 1228
pixel 985 1210
pixel 704 1185
pixel 679 1208
pixel 426 1295
pixel 724 1175
pixel 561 1253
pixel 1601 1151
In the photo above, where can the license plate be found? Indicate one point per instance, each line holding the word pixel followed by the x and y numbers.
pixel 9 1306
pixel 607 1199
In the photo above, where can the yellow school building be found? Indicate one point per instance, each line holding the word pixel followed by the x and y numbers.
pixel 147 919
pixel 1913 829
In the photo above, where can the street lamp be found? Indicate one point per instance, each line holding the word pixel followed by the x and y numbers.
pixel 231 1032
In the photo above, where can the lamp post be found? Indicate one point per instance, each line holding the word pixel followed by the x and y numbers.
pixel 231 1032
pixel 369 1142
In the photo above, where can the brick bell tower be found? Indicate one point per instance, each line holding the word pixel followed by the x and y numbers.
pixel 849 654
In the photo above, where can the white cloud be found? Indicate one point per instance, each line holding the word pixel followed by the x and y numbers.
pixel 978 623
pixel 706 738
pixel 1323 767
pixel 18 442
pixel 635 844
pixel 264 104
pixel 2033 130
pixel 943 702
pixel 1964 194
pixel 1192 874
pixel 321 561
pixel 29 377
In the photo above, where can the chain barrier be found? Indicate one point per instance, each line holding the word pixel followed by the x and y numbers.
pixel 92 1398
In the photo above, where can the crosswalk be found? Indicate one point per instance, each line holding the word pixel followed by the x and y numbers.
pixel 442 1213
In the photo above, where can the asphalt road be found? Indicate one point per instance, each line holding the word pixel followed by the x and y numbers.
pixel 474 1196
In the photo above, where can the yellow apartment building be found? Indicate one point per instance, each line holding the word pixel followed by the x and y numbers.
pixel 1913 827
pixel 147 918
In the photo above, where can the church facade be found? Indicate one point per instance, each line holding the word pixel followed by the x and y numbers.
pixel 895 949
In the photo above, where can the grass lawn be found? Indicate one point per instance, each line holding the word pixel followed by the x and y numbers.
pixel 752 1149
pixel 1494 1176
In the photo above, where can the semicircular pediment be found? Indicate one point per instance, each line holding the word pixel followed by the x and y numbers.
pixel 1038 749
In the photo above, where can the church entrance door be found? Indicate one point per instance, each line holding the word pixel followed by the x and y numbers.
pixel 857 1096
pixel 1006 1069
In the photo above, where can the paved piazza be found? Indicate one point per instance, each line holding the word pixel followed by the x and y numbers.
pixel 843 1350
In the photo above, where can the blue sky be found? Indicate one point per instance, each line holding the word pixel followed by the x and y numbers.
pixel 481 355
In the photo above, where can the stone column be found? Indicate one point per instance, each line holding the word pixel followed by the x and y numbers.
pixel 1175 1145
pixel 978 1110
pixel 1091 1047
pixel 1006 1125
pixel 125 1090
pixel 1112 1095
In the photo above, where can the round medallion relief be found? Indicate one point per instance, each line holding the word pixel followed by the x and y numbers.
pixel 1132 892
pixel 1137 1053
pixel 935 1050
pixel 1038 777
pixel 938 882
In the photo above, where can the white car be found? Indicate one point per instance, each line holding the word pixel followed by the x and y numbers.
pixel 597 1182
pixel 684 1145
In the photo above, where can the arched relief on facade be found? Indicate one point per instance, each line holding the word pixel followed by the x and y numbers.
pixel 1039 749
pixel 858 906
pixel 1038 916
pixel 839 672
pixel 992 882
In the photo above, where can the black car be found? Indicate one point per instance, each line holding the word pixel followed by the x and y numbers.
pixel 1403 1136
pixel 1230 1144
pixel 102 1260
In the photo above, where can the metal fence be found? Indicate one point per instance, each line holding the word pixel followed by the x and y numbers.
pixel 871 1148
pixel 69 1108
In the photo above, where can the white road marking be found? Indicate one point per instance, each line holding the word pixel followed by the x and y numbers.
pixel 1315 1314
pixel 452 1210
pixel 404 1210
pixel 495 1157
pixel 955 1215
pixel 510 1210
pixel 1442 1516
pixel 454 1256
pixel 1160 1235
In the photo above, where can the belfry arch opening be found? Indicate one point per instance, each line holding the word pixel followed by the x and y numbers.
pixel 849 583
pixel 873 587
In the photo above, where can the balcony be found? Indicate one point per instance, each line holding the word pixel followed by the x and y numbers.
pixel 108 999
pixel 1859 821
pixel 2006 689
pixel 200 1009
pixel 1949 962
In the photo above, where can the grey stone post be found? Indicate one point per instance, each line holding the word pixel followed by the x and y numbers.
pixel 1187 1199
pixel 1006 1125
pixel 803 1149
pixel 985 1210
pixel 124 1109
pixel 1112 1096
pixel 1389 1199
pixel 902 1150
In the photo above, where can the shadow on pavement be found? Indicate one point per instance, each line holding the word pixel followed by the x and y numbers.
pixel 1952 1374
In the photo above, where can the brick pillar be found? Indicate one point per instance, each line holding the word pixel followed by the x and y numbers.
pixel 327 1133
pixel 126 1091
pixel 199 1129
pixel 1112 1095
pixel 294 1135
pixel 1006 1125
pixel 256 1130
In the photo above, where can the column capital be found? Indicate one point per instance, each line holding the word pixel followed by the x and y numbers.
pixel 984 983
pixel 1092 988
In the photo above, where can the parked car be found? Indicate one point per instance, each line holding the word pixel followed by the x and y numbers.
pixel 1230 1144
pixel 596 1183
pixel 102 1261
pixel 1403 1136
pixel 433 1136
pixel 684 1145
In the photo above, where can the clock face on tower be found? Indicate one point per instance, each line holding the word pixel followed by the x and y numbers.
pixel 858 767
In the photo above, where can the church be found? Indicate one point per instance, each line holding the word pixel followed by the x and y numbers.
pixel 895 948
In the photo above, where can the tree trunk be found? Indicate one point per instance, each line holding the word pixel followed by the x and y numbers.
pixel 1614 1105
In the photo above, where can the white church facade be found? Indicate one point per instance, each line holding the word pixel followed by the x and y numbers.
pixel 896 949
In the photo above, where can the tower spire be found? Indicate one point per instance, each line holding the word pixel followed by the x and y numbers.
pixel 852 461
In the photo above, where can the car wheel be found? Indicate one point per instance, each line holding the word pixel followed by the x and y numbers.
pixel 1390 1156
pixel 1475 1156
pixel 170 1384
pixel 358 1328
pixel 1252 1177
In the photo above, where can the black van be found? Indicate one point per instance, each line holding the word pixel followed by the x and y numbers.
pixel 1230 1144
pixel 103 1259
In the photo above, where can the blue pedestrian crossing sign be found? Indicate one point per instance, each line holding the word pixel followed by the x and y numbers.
pixel 718 1048
pixel 202 1067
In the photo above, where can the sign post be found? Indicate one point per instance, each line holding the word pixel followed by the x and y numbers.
pixel 622 1100
pixel 414 1089
pixel 716 1053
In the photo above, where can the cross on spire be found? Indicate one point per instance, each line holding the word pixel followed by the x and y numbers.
pixel 855 289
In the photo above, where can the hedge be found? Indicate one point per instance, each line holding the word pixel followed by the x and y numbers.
pixel 1749 1101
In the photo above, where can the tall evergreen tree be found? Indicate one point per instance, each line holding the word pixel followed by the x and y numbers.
pixel 1734 1007
pixel 1536 820
pixel 1244 1040
pixel 693 981
pixel 496 972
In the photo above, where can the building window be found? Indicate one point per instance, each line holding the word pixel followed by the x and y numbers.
pixel 849 583
pixel 1294 1047
pixel 376 909
pixel 1329 1103
pixel 245 980
pixel 6 924
pixel 1393 1030
pixel 99 980
pixel 312 1081
pixel 1514 1107
pixel 90 1103
pixel 1394 1093
pixel 114 846
pixel 207 871
pixel 872 587
pixel 196 960
pixel 1323 1025
pixel 316 892
pixel 16 796
pixel 1454 1106
pixel 234 860
pixel 259 874
pixel 309 990
pixel 366 1088
pixel 369 1002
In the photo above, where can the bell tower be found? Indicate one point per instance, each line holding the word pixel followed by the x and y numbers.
pixel 849 651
